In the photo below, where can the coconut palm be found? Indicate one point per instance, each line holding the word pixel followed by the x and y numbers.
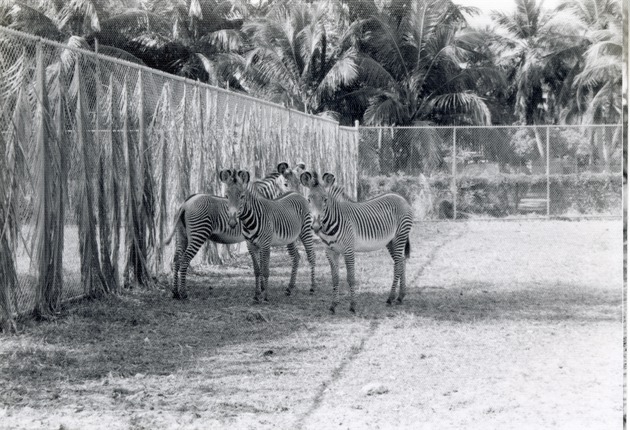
pixel 294 56
pixel 526 44
pixel 522 43
pixel 183 37
pixel 598 84
pixel 419 65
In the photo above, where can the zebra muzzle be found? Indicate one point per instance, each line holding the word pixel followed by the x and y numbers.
pixel 317 226
pixel 232 222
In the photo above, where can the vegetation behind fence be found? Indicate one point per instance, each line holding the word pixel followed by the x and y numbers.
pixel 98 154
pixel 457 172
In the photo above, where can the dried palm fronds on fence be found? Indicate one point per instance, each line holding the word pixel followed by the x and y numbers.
pixel 98 154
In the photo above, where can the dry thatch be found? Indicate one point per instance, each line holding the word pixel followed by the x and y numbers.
pixel 115 150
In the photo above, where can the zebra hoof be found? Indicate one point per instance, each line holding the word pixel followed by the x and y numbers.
pixel 389 301
pixel 332 309
pixel 353 310
pixel 312 291
pixel 399 301
pixel 287 292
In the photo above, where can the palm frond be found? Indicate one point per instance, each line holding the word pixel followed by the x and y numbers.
pixel 120 54
pixel 81 9
pixel 466 103
pixel 607 68
pixel 227 40
pixel 135 22
pixel 385 109
pixel 344 72
pixel 31 20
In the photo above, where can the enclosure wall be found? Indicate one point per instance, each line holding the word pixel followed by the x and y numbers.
pixel 98 154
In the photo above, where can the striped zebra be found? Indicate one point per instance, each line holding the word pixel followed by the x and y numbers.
pixel 347 227
pixel 204 217
pixel 335 191
pixel 266 223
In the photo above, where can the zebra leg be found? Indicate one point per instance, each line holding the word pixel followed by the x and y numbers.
pixel 402 288
pixel 189 254
pixel 400 262
pixel 333 259
pixel 392 252
pixel 307 240
pixel 295 259
pixel 349 257
pixel 264 270
pixel 254 253
pixel 180 244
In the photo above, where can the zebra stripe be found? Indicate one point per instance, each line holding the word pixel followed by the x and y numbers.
pixel 347 227
pixel 204 217
pixel 266 223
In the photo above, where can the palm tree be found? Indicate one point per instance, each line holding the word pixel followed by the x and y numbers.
pixel 522 42
pixel 295 57
pixel 599 81
pixel 419 65
pixel 525 44
pixel 187 38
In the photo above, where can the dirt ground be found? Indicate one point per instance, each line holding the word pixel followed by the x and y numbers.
pixel 505 325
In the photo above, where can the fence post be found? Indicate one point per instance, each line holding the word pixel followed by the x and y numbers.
pixel 548 179
pixel 454 173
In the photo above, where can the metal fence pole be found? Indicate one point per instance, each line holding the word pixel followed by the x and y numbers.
pixel 548 179
pixel 454 172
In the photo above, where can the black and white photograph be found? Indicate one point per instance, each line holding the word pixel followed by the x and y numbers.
pixel 313 214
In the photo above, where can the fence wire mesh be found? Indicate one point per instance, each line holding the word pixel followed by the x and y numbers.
pixel 110 147
pixel 461 172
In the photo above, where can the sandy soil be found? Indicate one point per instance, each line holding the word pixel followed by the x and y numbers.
pixel 506 325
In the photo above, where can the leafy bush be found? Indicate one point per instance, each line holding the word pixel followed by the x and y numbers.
pixel 499 195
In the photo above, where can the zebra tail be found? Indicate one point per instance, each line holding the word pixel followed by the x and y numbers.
pixel 178 217
pixel 407 248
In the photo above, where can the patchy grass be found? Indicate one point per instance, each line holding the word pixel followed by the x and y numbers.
pixel 506 325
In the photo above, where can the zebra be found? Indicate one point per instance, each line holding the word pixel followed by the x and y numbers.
pixel 335 191
pixel 204 217
pixel 266 223
pixel 347 227
pixel 280 182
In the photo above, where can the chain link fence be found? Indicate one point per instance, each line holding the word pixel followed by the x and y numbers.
pixel 499 171
pixel 98 154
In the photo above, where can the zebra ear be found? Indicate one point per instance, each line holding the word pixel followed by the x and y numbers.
pixel 328 179
pixel 225 175
pixel 243 175
pixel 282 167
pixel 305 179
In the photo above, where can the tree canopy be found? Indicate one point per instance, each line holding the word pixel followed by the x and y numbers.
pixel 386 62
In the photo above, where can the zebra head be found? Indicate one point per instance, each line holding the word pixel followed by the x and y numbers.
pixel 290 178
pixel 317 198
pixel 236 191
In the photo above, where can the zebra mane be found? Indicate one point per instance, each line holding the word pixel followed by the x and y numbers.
pixel 272 176
pixel 338 193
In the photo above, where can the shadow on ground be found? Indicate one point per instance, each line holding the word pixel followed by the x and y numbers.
pixel 149 333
